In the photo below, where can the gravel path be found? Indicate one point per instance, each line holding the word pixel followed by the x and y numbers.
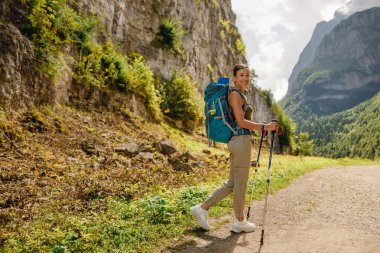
pixel 327 210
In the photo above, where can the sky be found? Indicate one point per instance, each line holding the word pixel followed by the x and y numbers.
pixel 276 31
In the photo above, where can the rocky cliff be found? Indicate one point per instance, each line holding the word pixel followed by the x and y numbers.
pixel 323 28
pixel 345 68
pixel 308 53
pixel 133 25
pixel 210 45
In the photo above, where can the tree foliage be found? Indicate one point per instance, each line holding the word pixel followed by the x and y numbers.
pixel 287 139
pixel 305 145
pixel 351 133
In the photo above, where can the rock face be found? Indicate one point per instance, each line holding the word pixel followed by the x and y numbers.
pixel 345 69
pixel 210 50
pixel 308 53
pixel 323 28
pixel 133 25
pixel 261 110
pixel 21 84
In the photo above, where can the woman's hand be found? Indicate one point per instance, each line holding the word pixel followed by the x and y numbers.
pixel 273 126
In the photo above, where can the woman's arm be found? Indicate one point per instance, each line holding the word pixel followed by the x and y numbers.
pixel 236 103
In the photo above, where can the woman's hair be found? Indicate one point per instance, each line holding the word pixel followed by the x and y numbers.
pixel 239 67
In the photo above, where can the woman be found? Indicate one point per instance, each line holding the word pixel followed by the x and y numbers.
pixel 240 157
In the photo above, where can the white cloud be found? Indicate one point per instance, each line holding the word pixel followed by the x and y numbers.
pixel 275 33
pixel 328 11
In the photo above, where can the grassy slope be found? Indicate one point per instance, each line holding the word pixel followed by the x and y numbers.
pixel 55 197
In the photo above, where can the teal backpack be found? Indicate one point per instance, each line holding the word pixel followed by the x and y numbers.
pixel 220 123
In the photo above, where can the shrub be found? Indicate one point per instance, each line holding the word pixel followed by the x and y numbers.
pixel 181 101
pixel 287 138
pixel 215 3
pixel 170 34
pixel 211 72
pixel 140 79
pixel 72 27
pixel 225 23
pixel 89 71
pixel 268 96
pixel 42 15
pixel 104 67
pixel 53 24
pixel 240 46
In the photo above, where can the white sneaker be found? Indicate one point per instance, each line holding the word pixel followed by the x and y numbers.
pixel 201 215
pixel 242 226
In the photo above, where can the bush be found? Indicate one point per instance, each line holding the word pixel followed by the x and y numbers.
pixel 170 34
pixel 268 96
pixel 240 46
pixel 89 71
pixel 140 79
pixel 181 101
pixel 53 24
pixel 287 139
pixel 104 67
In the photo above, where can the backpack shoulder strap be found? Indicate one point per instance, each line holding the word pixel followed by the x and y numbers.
pixel 229 108
pixel 232 89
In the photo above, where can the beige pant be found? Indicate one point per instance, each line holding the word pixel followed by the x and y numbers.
pixel 240 159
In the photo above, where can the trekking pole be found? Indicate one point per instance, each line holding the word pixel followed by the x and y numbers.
pixel 255 175
pixel 268 180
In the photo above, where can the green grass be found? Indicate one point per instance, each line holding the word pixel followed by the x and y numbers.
pixel 191 142
pixel 148 224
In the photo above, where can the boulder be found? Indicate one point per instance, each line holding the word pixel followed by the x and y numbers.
pixel 165 147
pixel 146 156
pixel 130 148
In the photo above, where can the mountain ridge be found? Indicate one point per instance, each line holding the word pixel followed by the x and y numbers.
pixel 343 74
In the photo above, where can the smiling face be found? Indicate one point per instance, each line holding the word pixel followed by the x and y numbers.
pixel 241 79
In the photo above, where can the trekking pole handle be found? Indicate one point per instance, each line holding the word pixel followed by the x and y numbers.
pixel 263 131
pixel 276 121
pixel 281 128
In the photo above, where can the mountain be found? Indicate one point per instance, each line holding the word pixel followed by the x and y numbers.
pixel 345 70
pixel 338 70
pixel 351 133
pixel 322 28
pixel 308 53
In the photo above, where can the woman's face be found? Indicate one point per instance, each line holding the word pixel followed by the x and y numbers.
pixel 241 79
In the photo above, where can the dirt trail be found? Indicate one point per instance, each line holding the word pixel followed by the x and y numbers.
pixel 327 210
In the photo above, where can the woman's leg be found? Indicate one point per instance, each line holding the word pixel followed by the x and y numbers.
pixel 241 150
pixel 224 190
